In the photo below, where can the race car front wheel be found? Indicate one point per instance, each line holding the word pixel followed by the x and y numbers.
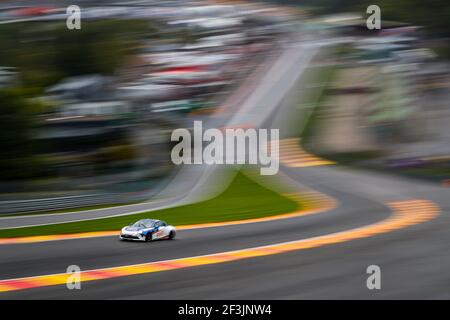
pixel 172 235
pixel 148 237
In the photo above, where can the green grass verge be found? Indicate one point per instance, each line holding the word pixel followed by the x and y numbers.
pixel 243 199
pixel 75 209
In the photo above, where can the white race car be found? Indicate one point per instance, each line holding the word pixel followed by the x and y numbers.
pixel 147 230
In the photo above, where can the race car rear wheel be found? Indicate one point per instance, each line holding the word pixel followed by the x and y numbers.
pixel 172 235
pixel 148 237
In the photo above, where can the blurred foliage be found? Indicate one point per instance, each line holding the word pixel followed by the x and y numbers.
pixel 17 151
pixel 434 14
pixel 45 53
pixel 113 153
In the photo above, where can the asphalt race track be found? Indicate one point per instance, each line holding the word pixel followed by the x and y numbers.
pixel 414 260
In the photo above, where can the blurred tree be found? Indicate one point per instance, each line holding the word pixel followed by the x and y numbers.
pixel 17 148
pixel 45 53
pixel 433 14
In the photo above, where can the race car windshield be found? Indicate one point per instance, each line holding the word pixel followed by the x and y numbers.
pixel 144 223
